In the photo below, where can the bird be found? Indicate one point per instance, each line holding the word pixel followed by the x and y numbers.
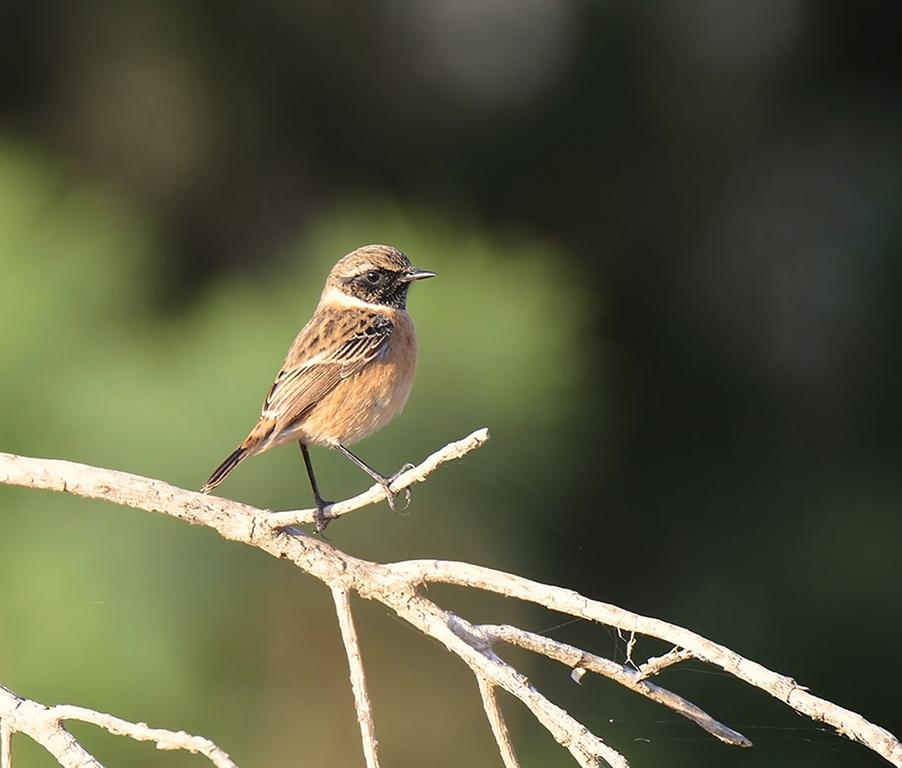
pixel 348 372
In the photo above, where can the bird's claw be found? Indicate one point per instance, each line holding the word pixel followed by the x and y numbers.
pixel 390 495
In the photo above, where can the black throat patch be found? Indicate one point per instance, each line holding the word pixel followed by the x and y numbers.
pixel 379 286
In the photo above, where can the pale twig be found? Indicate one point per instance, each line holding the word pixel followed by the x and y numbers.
pixel 785 689
pixel 45 726
pixel 376 493
pixel 628 677
pixel 496 721
pixel 398 586
pixel 164 739
pixel 630 645
pixel 357 675
pixel 6 745
pixel 463 639
pixel 657 664
pixel 31 718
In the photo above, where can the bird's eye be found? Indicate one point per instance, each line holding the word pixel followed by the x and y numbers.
pixel 373 278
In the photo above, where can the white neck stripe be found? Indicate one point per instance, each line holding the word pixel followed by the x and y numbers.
pixel 333 296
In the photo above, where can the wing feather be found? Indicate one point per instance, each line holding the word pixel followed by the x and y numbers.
pixel 312 370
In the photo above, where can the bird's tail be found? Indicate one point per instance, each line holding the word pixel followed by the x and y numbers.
pixel 227 466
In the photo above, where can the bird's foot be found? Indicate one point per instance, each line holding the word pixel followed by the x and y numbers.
pixel 390 495
pixel 321 518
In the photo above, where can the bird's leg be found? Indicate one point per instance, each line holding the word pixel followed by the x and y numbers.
pixel 384 481
pixel 321 520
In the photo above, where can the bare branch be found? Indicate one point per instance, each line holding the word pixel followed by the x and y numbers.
pixel 376 493
pixel 496 721
pixel 24 716
pixel 657 664
pixel 847 723
pixel 164 739
pixel 398 586
pixel 358 678
pixel 625 676
pixel 463 639
pixel 45 726
pixel 6 747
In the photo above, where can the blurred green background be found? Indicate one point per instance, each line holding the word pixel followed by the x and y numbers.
pixel 668 244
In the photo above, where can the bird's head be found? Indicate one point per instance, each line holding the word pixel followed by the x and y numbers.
pixel 374 275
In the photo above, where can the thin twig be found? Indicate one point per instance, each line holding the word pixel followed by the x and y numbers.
pixel 29 717
pixel 847 723
pixel 45 726
pixel 630 645
pixel 164 739
pixel 6 747
pixel 657 664
pixel 496 721
pixel 358 677
pixel 376 493
pixel 463 639
pixel 626 676
pixel 398 586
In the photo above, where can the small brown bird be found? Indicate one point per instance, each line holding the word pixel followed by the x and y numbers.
pixel 348 372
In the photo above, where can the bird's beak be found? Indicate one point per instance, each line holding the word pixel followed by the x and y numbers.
pixel 417 274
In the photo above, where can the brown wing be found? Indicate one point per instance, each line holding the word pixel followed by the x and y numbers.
pixel 328 350
pixel 331 347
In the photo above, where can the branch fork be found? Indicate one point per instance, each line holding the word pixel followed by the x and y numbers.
pixel 376 492
pixel 46 726
pixel 401 587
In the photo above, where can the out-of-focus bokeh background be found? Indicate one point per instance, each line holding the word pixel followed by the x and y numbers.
pixel 668 243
